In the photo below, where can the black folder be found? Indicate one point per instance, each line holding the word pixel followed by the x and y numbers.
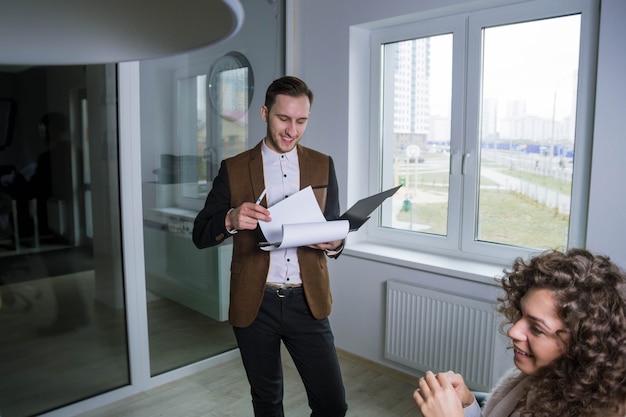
pixel 360 212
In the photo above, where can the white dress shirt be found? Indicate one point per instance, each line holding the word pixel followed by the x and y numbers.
pixel 281 173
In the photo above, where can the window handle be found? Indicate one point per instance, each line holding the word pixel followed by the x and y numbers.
pixel 466 157
pixel 207 155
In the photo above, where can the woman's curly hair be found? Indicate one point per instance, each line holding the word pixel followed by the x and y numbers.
pixel 590 292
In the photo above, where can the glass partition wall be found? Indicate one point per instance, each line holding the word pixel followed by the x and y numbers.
pixel 65 304
pixel 197 109
pixel 187 289
pixel 62 306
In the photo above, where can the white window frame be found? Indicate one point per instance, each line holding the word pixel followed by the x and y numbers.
pixel 466 28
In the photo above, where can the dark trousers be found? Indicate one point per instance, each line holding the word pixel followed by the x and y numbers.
pixel 284 315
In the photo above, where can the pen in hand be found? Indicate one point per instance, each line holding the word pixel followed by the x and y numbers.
pixel 258 200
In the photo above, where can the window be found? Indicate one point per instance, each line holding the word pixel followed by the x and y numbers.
pixel 485 119
pixel 212 123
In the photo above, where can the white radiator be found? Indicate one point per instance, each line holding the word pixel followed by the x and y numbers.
pixel 431 330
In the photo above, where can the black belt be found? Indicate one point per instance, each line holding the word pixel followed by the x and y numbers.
pixel 284 290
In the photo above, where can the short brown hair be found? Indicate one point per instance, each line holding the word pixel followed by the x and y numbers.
pixel 288 85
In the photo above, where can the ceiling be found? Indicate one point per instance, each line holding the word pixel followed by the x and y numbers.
pixel 70 32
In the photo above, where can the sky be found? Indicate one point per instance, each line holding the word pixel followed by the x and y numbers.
pixel 533 61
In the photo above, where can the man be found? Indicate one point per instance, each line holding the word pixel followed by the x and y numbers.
pixel 282 294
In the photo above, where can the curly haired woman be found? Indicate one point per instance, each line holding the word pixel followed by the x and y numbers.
pixel 566 318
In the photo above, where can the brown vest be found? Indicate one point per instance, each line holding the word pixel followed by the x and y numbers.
pixel 250 265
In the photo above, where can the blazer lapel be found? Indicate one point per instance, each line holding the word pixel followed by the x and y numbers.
pixel 256 170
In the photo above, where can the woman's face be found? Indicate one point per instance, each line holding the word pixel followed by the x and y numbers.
pixel 535 335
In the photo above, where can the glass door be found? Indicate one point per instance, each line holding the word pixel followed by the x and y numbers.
pixel 197 109
pixel 63 330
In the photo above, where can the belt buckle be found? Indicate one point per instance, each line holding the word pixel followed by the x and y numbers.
pixel 281 292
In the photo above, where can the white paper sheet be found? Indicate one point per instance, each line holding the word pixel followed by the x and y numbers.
pixel 303 234
pixel 298 221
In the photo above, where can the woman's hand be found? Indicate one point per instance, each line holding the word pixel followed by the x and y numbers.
pixel 464 394
pixel 437 395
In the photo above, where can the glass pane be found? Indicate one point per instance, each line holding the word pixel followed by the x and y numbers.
pixel 527 132
pixel 192 131
pixel 188 289
pixel 228 117
pixel 62 308
pixel 205 141
pixel 416 132
pixel 195 113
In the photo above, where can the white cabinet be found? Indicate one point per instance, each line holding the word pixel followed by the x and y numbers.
pixel 175 269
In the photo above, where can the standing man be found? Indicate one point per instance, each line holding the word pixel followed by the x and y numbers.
pixel 281 295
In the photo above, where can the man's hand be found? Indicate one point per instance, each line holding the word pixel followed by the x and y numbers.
pixel 246 217
pixel 331 246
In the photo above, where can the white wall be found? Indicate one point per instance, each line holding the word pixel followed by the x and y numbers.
pixel 321 56
pixel 607 203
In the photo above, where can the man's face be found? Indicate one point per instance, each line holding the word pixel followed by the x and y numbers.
pixel 286 122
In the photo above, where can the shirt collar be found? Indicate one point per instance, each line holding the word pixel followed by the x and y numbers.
pixel 271 155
